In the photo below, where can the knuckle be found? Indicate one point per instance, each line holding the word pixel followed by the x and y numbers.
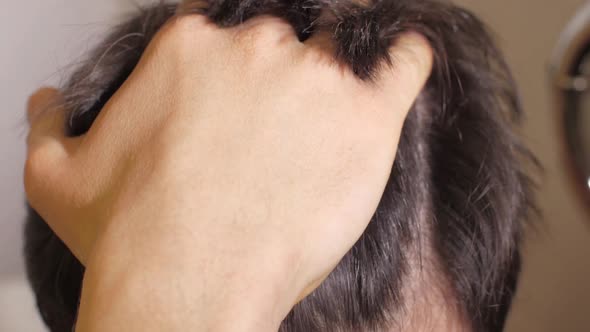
pixel 187 25
pixel 49 179
pixel 262 34
pixel 266 26
pixel 183 35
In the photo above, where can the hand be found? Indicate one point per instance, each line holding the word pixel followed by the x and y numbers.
pixel 240 144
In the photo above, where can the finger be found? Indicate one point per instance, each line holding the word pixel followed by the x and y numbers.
pixel 40 101
pixel 322 40
pixel 47 147
pixel 412 61
pixel 46 118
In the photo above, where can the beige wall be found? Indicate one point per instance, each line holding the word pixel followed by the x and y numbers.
pixel 38 39
pixel 555 289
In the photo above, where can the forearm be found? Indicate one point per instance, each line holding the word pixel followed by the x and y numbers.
pixel 156 285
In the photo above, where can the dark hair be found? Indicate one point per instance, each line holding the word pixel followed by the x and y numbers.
pixel 458 193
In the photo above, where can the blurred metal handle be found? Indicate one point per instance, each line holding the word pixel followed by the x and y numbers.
pixel 571 84
pixel 570 46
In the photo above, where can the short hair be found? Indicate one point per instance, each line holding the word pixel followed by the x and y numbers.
pixel 458 195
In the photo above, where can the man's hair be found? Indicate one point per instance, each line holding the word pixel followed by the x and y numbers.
pixel 458 195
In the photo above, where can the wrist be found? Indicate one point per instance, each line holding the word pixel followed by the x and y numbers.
pixel 133 284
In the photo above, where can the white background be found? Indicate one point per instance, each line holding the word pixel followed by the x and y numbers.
pixel 38 40
pixel 39 37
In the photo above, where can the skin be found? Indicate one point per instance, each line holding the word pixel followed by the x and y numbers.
pixel 245 152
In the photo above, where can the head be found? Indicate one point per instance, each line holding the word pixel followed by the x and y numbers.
pixel 443 248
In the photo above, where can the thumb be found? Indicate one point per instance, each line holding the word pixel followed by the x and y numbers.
pixel 48 150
